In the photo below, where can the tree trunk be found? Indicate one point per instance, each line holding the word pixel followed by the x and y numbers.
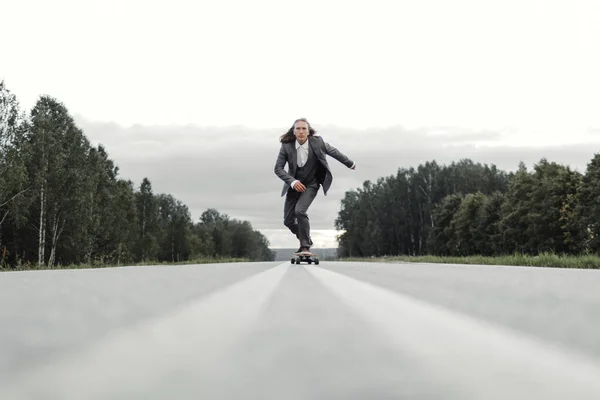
pixel 143 244
pixel 57 228
pixel 173 247
pixel 54 237
pixel 119 254
pixel 42 231
pixel 90 235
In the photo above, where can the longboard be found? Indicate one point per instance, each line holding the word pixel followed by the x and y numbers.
pixel 305 256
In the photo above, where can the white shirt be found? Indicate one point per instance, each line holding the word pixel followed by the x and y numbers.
pixel 302 153
pixel 301 156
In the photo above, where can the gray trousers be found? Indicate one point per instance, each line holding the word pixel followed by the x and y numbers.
pixel 295 215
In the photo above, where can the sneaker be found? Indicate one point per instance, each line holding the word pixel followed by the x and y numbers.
pixel 302 250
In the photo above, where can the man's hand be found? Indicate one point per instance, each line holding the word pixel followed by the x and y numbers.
pixel 299 187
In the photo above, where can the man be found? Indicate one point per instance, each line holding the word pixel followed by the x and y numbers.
pixel 308 170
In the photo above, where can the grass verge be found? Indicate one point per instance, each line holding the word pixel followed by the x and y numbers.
pixel 542 260
pixel 35 267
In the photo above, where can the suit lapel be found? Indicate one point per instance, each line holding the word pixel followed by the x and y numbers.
pixel 311 148
pixel 314 147
pixel 294 164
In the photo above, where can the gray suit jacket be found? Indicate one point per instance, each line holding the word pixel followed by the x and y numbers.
pixel 287 153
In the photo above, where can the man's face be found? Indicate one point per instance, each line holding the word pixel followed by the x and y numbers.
pixel 301 131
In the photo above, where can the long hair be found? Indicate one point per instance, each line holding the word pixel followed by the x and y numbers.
pixel 289 135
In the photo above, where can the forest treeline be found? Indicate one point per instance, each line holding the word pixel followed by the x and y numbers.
pixel 63 203
pixel 466 209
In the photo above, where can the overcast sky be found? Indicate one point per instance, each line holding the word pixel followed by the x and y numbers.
pixel 202 90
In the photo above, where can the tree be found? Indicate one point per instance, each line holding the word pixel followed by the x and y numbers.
pixel 488 240
pixel 587 210
pixel 533 220
pixel 175 223
pixel 442 237
pixel 13 174
pixel 515 211
pixel 346 222
pixel 425 191
pixel 466 227
pixel 147 219
pixel 56 150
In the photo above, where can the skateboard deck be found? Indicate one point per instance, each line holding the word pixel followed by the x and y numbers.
pixel 305 256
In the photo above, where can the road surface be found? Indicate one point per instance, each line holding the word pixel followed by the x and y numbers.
pixel 281 331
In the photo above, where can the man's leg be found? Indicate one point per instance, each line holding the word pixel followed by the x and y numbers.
pixel 301 214
pixel 289 216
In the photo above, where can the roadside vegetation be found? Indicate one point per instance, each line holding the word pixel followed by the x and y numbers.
pixel 63 203
pixel 466 212
pixel 541 260
pixel 198 261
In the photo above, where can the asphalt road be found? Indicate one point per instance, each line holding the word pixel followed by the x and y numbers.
pixel 282 331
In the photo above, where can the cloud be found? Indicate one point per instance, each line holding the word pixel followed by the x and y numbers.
pixel 231 169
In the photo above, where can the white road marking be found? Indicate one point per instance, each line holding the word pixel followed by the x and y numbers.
pixel 488 361
pixel 127 361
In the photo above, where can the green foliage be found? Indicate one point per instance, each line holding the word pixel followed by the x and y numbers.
pixel 443 235
pixel 587 208
pixel 14 184
pixel 547 260
pixel 63 204
pixel 221 236
pixel 533 219
pixel 468 209
pixel 465 224
pixel 488 239
pixel 413 212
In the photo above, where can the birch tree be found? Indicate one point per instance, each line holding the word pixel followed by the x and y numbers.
pixel 51 128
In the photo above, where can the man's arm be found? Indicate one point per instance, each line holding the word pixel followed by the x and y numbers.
pixel 280 172
pixel 338 155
